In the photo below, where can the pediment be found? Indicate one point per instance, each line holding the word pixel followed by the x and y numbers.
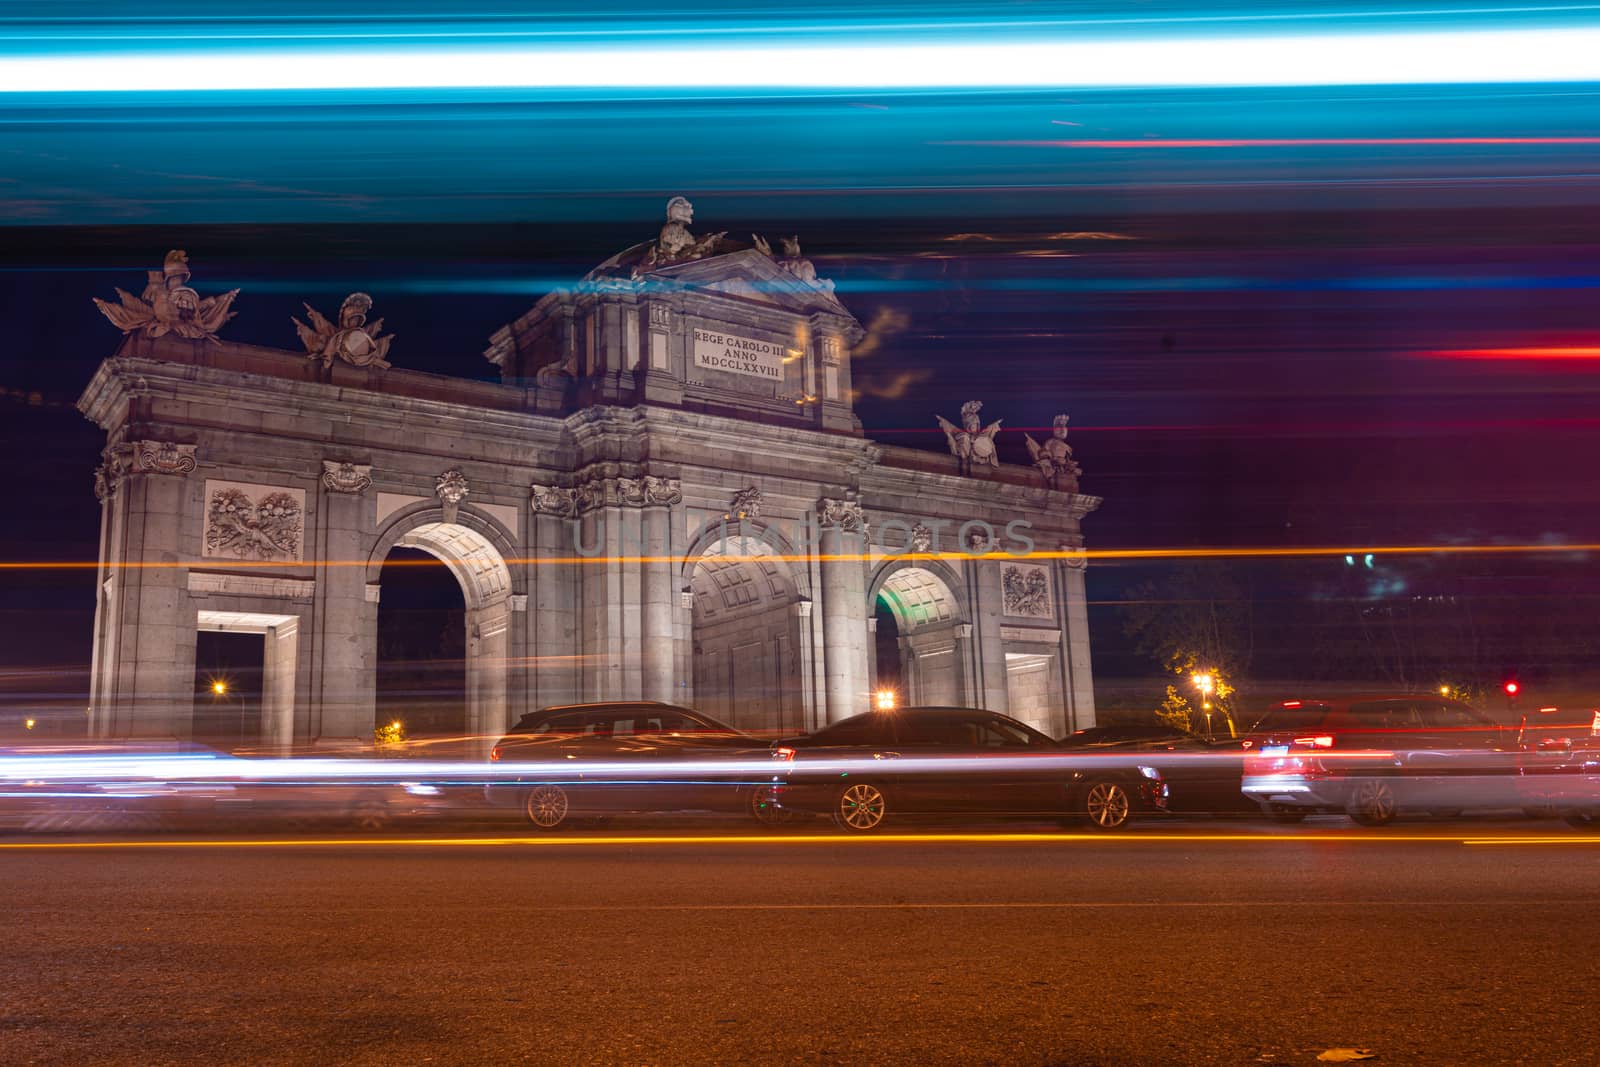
pixel 753 275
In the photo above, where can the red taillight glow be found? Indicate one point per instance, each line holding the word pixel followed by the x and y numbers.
pixel 784 753
pixel 1320 741
pixel 1293 703
pixel 494 754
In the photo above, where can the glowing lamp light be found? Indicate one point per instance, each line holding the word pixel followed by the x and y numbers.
pixel 884 700
pixel 28 725
pixel 1512 688
pixel 1444 690
pixel 219 687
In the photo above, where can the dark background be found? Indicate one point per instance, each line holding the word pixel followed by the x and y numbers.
pixel 1248 334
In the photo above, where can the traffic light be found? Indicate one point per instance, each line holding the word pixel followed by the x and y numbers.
pixel 1512 689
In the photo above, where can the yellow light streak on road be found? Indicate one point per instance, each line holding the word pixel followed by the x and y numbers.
pixel 635 841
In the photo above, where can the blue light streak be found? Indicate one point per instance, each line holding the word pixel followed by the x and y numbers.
pixel 1456 56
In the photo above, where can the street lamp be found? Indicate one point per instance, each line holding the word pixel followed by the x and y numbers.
pixel 885 700
pixel 1205 683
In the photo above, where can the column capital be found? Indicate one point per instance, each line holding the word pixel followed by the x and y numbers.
pixel 554 500
pixel 845 514
pixel 163 457
pixel 339 476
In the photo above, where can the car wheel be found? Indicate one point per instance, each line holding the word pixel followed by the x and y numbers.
pixel 370 814
pixel 860 808
pixel 1284 813
pixel 1583 820
pixel 1107 805
pixel 546 806
pixel 766 810
pixel 1372 803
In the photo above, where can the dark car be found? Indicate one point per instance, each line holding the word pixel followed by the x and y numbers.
pixel 1202 777
pixel 637 756
pixel 863 771
pixel 1373 757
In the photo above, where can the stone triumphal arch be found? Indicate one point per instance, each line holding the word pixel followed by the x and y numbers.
pixel 666 496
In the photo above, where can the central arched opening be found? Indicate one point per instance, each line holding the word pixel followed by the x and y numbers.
pixel 747 637
pixel 444 614
pixel 920 648
pixel 422 646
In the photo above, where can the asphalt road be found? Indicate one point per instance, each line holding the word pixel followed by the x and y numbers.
pixel 1206 943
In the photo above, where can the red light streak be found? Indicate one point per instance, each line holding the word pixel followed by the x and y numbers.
pixel 1538 353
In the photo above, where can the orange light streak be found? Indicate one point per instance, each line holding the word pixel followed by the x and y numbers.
pixel 635 840
pixel 1309 552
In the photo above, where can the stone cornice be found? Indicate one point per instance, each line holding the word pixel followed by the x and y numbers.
pixel 677 437
pixel 104 400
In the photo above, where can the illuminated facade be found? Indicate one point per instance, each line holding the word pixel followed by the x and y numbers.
pixel 667 496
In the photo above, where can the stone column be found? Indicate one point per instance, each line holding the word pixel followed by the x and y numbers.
pixel 156 621
pixel 344 638
pixel 1075 636
pixel 102 655
pixel 805 665
pixel 844 623
pixel 987 599
pixel 553 627
pixel 488 645
pixel 659 652
pixel 279 666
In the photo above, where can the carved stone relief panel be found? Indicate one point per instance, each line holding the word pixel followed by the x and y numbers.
pixel 1026 591
pixel 254 522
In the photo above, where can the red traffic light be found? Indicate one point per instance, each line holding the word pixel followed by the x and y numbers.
pixel 1511 689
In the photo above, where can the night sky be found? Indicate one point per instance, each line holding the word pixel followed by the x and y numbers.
pixel 1261 327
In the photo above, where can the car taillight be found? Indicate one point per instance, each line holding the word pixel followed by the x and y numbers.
pixel 1261 765
pixel 1320 741
pixel 494 754
pixel 784 753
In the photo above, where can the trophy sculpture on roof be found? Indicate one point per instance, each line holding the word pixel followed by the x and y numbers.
pixel 971 442
pixel 168 305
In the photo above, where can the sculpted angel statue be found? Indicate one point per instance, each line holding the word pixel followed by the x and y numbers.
pixel 168 305
pixel 968 443
pixel 1054 457
pixel 354 340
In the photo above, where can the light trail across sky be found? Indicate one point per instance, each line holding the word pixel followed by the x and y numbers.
pixel 1441 57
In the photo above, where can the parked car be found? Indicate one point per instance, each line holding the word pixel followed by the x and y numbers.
pixel 866 770
pixel 634 756
pixel 1373 757
pixel 1203 777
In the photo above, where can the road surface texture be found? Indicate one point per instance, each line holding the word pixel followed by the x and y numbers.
pixel 1206 943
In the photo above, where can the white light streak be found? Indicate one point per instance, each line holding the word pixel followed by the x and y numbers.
pixel 1371 58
